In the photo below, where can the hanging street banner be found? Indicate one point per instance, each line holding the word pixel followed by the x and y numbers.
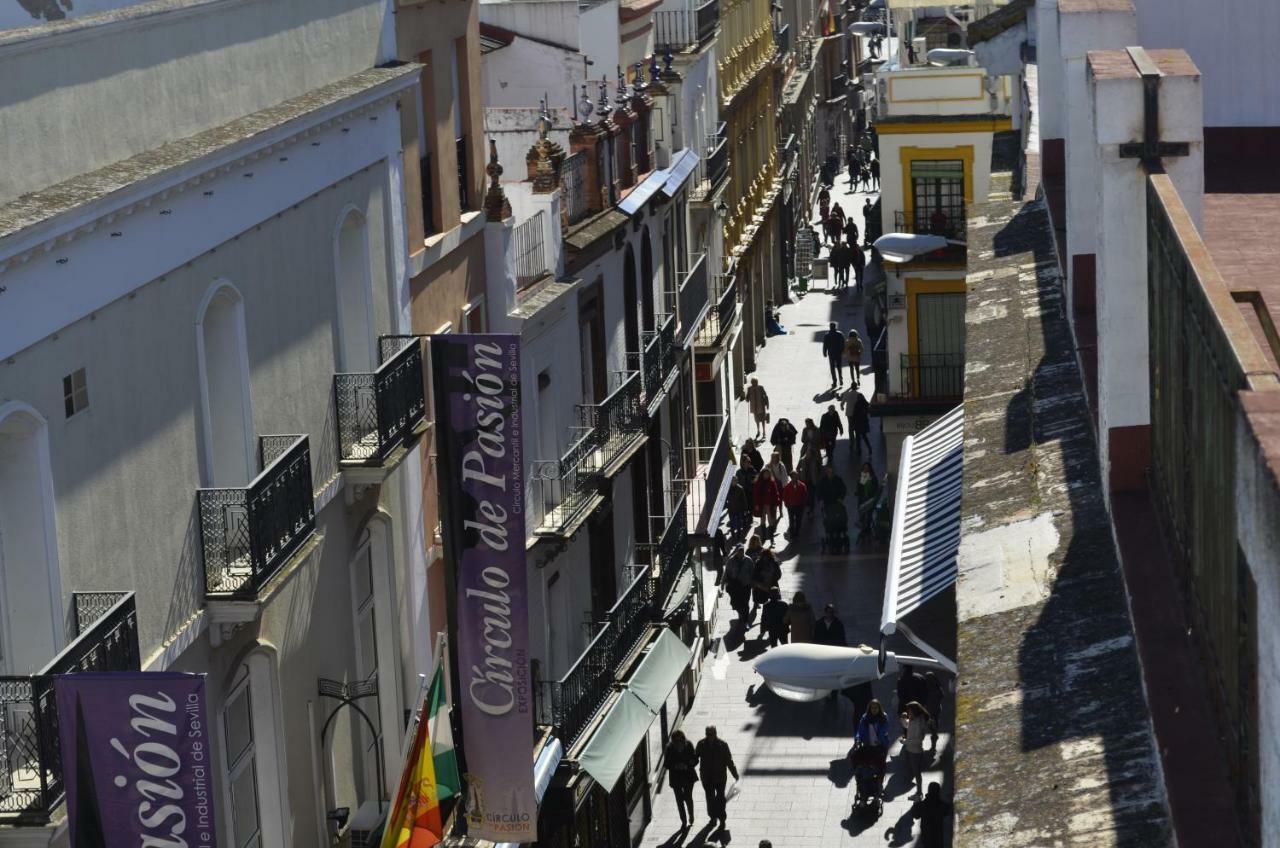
pixel 481 465
pixel 136 760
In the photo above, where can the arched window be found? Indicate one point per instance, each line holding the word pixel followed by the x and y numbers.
pixel 355 292
pixel 630 305
pixel 30 583
pixel 253 778
pixel 222 347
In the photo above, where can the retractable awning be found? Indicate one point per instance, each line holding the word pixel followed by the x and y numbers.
pixel 926 525
pixel 628 718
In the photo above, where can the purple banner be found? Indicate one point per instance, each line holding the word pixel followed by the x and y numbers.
pixel 136 759
pixel 481 462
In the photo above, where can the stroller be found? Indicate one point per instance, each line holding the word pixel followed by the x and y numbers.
pixel 868 776
pixel 835 529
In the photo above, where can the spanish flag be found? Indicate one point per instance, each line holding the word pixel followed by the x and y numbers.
pixel 415 816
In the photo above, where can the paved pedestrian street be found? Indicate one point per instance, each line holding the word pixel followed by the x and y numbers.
pixel 796 785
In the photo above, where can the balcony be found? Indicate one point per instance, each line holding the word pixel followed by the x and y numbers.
pixel 931 376
pixel 615 428
pixel 691 300
pixel 566 489
pixel 946 221
pixel 31 778
pixel 690 28
pixel 782 40
pixel 657 363
pixel 531 262
pixel 573 182
pixel 249 533
pixel 380 412
pixel 709 485
pixel 714 167
pixel 720 317
pixel 664 562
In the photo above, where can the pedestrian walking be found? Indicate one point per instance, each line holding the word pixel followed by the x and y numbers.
pixel 831 489
pixel 840 262
pixel 852 161
pixel 875 174
pixel 758 403
pixel 833 350
pixel 915 721
pixel 859 260
pixel 933 703
pixel 719 550
pixel 811 471
pixel 738 505
pixel 824 202
pixel 853 357
pixel 850 232
pixel 911 687
pixel 773 619
pixel 764 579
pixel 767 500
pixel 867 212
pixel 778 469
pixel 715 764
pixel 859 412
pixel 808 436
pixel 868 489
pixel 737 581
pixel 838 213
pixel 829 630
pixel 783 438
pixel 932 812
pixel 682 760
pixel 795 497
pixel 829 427
pixel 873 730
pixel 831 228
pixel 750 452
pixel 800 618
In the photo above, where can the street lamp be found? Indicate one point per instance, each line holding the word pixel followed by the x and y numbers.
pixel 722 208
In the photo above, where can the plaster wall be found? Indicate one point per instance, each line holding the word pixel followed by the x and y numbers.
pixel 939 91
pixel 1052 72
pixel 598 37
pixel 1258 533
pixel 523 73
pixel 108 87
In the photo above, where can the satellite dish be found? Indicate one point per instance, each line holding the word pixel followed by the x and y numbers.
pixel 949 56
pixel 867 28
pixel 903 247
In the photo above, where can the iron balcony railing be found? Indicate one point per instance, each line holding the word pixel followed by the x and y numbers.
pixel 880 362
pixel 786 150
pixel 564 486
pixel 531 263
pixel 932 375
pixel 949 222
pixel 656 360
pixel 377 412
pixel 573 179
pixel 613 425
pixel 724 290
pixel 248 533
pixel 688 28
pixel 31 777
pixel 717 159
pixel 782 40
pixel 663 562
pixel 569 703
pixel 710 466
pixel 691 299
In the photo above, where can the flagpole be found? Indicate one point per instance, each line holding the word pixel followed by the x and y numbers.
pixel 424 684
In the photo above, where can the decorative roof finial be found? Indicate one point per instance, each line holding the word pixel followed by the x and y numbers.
pixel 622 87
pixel 585 106
pixel 544 120
pixel 496 206
pixel 667 59
pixel 654 70
pixel 639 77
pixel 604 98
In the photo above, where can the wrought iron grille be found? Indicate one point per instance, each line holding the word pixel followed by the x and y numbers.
pixel 656 360
pixel 724 289
pixel 932 375
pixel 248 533
pixel 613 425
pixel 531 263
pixel 88 607
pixel 573 179
pixel 711 464
pixel 946 221
pixel 668 558
pixel 31 778
pixel 376 412
pixel 782 40
pixel 717 167
pixel 564 486
pixel 691 299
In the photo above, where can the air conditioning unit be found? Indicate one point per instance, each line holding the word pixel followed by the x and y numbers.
pixel 364 823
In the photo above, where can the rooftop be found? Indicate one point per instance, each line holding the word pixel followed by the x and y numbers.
pixel 1053 741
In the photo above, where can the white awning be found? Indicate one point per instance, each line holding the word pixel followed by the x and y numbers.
pixel 926 523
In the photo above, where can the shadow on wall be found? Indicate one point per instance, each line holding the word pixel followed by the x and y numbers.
pixel 188 584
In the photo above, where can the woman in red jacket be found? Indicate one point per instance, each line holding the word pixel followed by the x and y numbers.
pixel 796 496
pixel 767 500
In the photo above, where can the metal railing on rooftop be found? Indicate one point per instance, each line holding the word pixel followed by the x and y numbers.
pixel 247 533
pixel 531 262
pixel 32 782
pixel 376 412
pixel 573 179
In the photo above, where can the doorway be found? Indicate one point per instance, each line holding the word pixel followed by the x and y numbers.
pixel 224 379
pixel 351 263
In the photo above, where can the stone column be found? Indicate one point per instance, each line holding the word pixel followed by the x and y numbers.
pixel 1085 25
pixel 1120 191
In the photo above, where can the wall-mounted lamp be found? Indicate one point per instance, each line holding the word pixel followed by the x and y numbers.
pixel 722 208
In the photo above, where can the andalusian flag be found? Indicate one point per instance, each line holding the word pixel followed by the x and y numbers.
pixel 415 815
pixel 448 783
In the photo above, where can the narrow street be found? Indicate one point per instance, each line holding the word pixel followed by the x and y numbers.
pixel 796 787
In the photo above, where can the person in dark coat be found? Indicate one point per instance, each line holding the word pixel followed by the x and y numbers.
pixel 829 630
pixel 841 260
pixel 875 174
pixel 859 259
pixel 831 489
pixel 833 350
pixel 738 505
pixel 851 232
pixel 773 619
pixel 868 489
pixel 860 423
pixel 750 451
pixel 911 687
pixel 783 438
pixel 682 759
pixel 829 427
pixel 867 211
pixel 932 812
pixel 715 764
pixel 764 578
pixel 719 550
pixel 737 582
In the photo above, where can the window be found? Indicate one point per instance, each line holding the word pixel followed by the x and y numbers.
pixel 461 98
pixel 75 392
pixel 242 768
pixel 473 318
pixel 362 599
pixel 428 205
pixel 937 194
